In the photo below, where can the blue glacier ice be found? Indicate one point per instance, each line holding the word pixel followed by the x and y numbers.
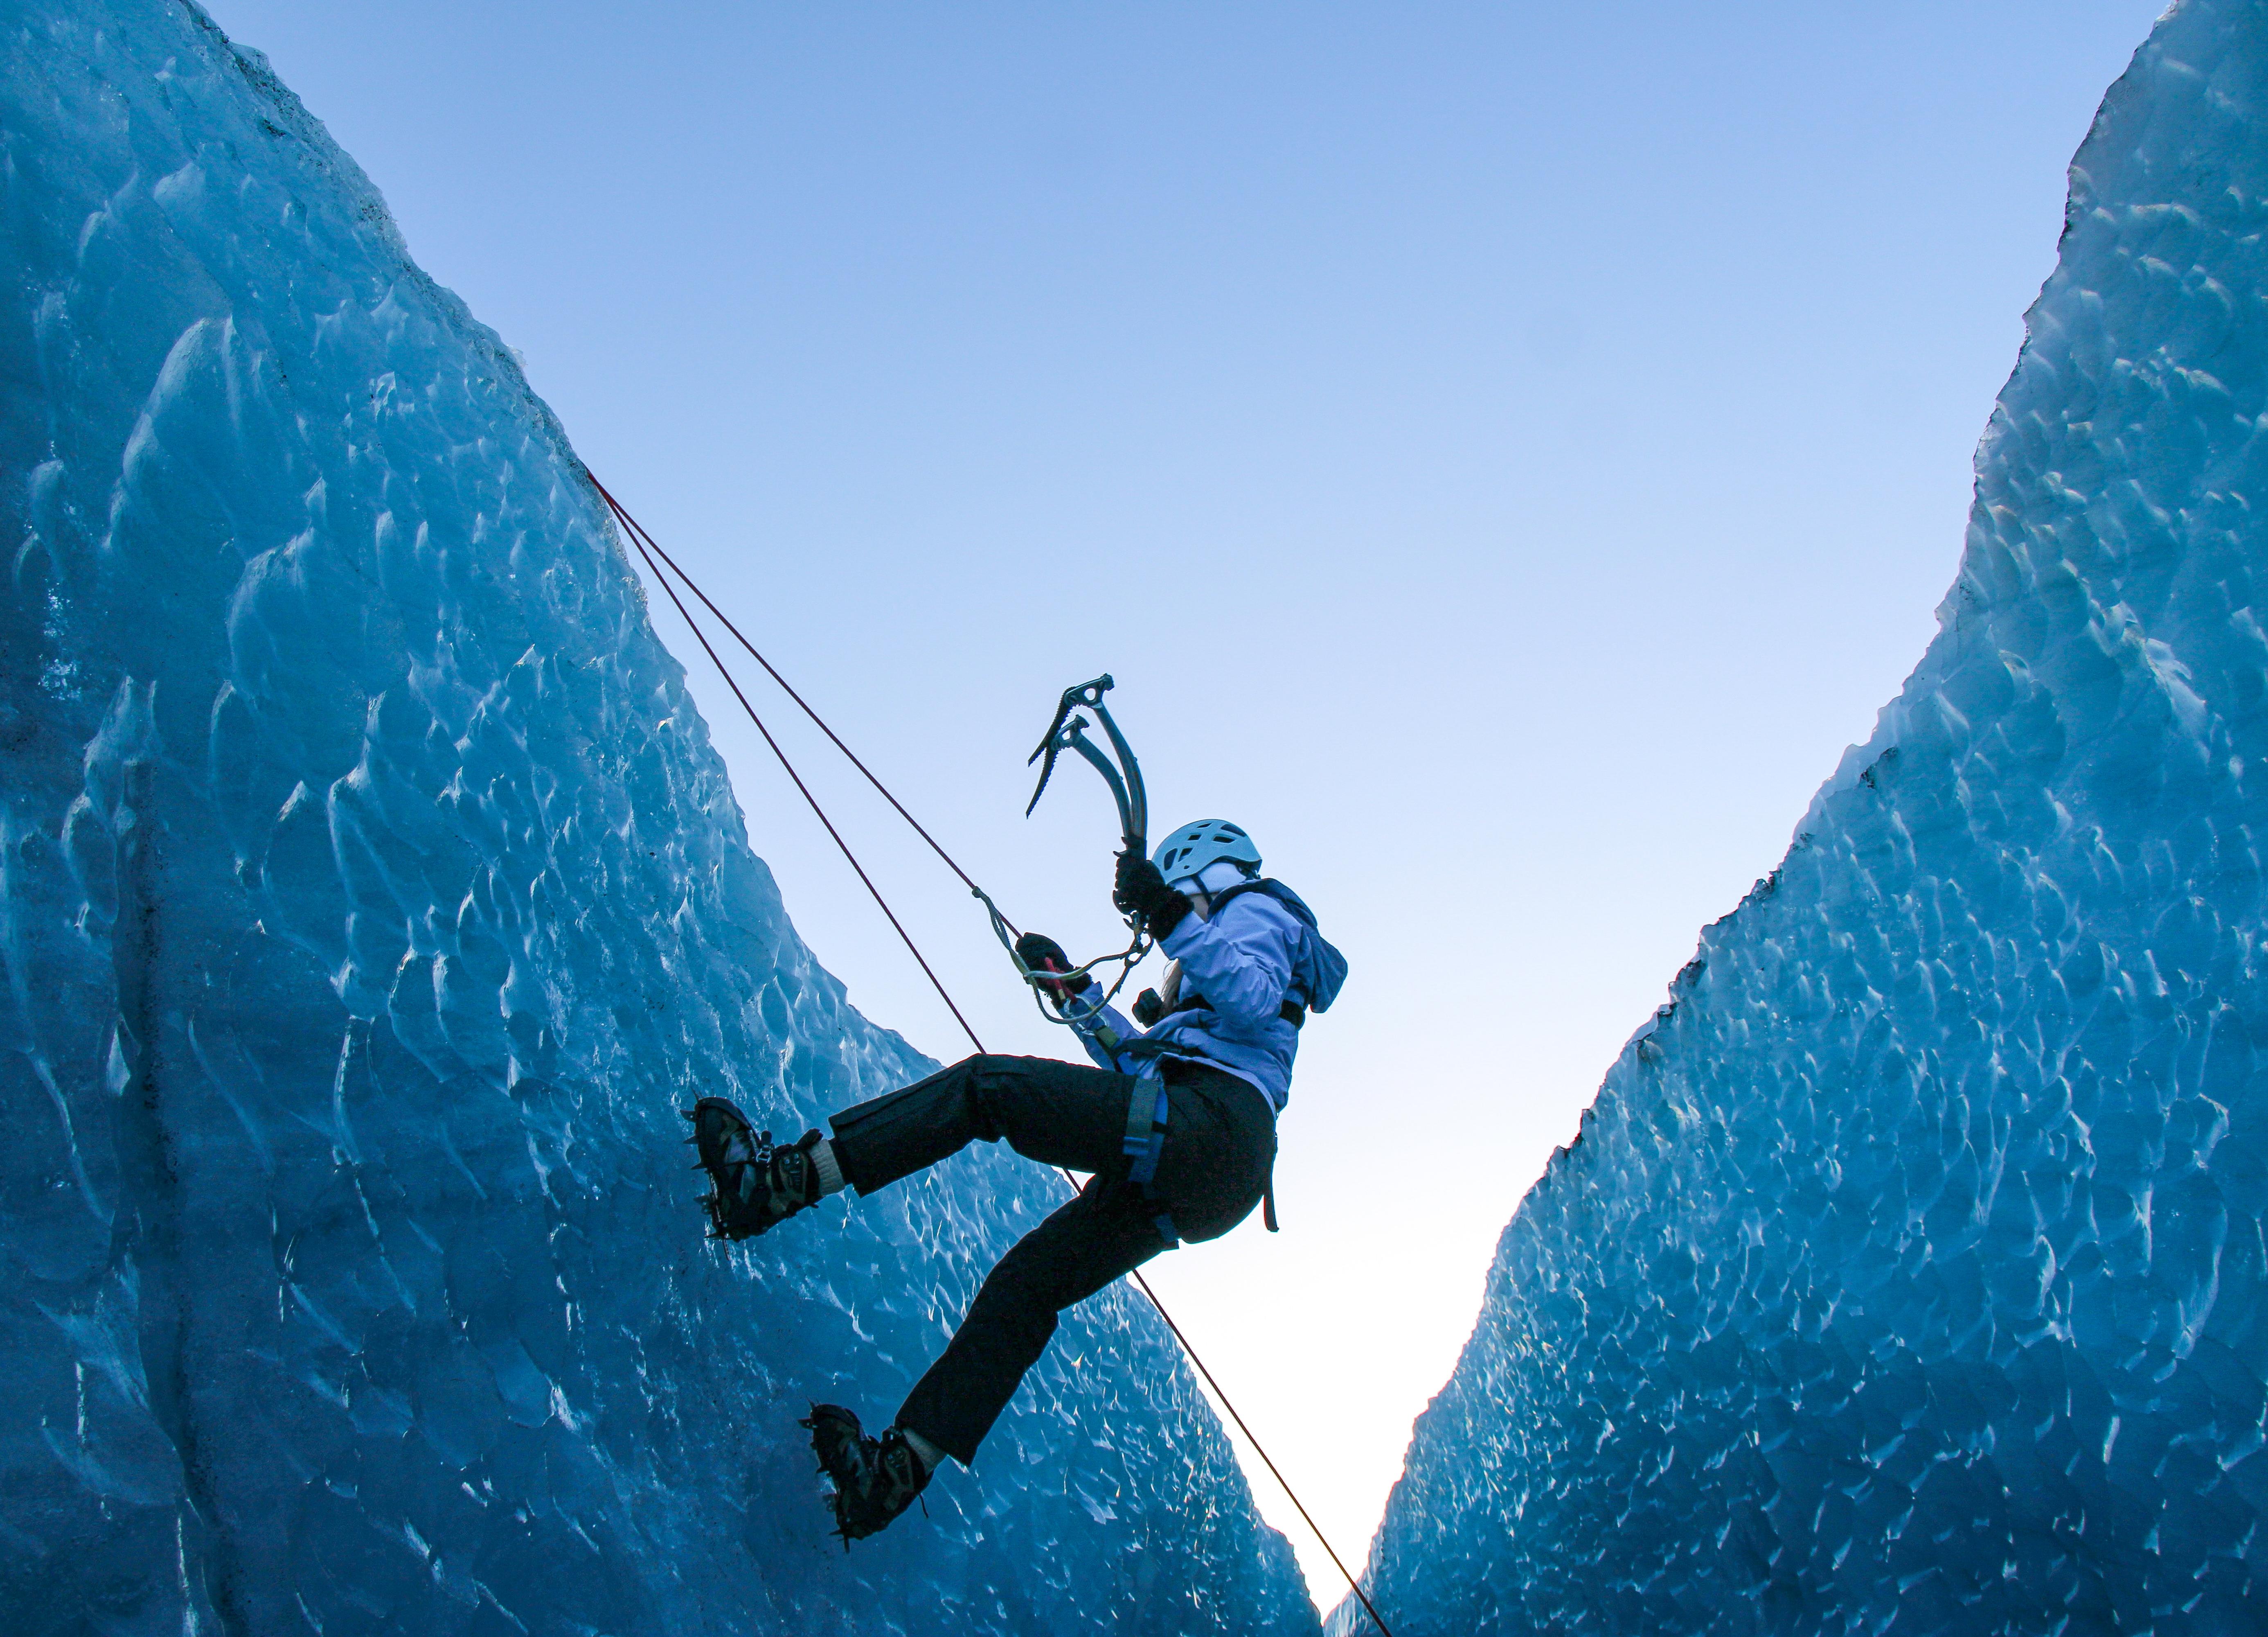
pixel 371 899
pixel 1909 1273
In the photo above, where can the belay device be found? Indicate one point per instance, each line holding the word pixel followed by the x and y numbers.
pixel 1068 731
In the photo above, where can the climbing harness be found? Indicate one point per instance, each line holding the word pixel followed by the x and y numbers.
pixel 1316 978
pixel 1126 786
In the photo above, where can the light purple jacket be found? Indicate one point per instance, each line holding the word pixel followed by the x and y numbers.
pixel 1241 962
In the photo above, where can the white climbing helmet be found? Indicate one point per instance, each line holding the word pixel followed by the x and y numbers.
pixel 1190 850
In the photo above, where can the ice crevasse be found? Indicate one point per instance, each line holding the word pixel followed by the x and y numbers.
pixel 371 899
pixel 1908 1274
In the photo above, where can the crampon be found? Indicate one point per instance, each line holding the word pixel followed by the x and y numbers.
pixel 754 1184
pixel 875 1478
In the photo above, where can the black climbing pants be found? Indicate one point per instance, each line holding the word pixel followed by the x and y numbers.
pixel 1220 1145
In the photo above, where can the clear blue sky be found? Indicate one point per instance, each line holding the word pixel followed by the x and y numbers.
pixel 1505 453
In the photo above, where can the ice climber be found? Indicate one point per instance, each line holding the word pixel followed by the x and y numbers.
pixel 1176 1126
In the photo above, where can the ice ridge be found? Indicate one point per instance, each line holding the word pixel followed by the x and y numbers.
pixel 1909 1273
pixel 371 898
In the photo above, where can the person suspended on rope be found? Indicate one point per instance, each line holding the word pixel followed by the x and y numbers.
pixel 1176 1122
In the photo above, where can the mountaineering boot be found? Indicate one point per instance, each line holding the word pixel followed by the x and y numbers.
pixel 875 1478
pixel 756 1183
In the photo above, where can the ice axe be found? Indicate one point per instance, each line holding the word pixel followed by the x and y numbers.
pixel 1068 732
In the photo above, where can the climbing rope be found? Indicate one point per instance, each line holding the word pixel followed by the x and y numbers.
pixel 649 550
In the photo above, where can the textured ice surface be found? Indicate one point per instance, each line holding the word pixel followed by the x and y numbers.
pixel 1909 1273
pixel 369 899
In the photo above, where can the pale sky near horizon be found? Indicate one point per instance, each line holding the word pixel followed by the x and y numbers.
pixel 1505 453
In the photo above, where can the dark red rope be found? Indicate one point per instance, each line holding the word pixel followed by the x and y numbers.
pixel 632 524
pixel 642 540
pixel 1289 1494
pixel 882 901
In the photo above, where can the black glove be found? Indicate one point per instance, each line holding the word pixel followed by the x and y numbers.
pixel 1148 1009
pixel 1044 954
pixel 1141 890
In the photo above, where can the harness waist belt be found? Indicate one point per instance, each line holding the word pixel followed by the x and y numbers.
pixel 1291 1012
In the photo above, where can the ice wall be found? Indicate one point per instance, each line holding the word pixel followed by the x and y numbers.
pixel 1909 1273
pixel 370 899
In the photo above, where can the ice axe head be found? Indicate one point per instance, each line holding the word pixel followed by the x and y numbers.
pixel 1068 732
